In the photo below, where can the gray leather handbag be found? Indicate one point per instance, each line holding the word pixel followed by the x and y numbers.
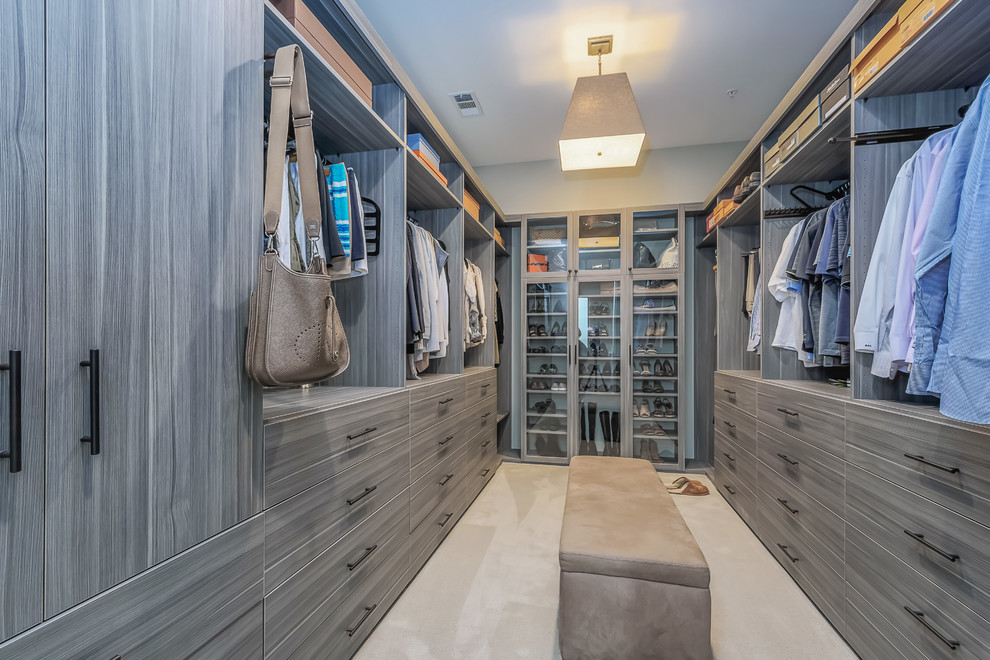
pixel 295 335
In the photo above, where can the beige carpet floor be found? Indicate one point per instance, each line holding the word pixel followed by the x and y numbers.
pixel 490 590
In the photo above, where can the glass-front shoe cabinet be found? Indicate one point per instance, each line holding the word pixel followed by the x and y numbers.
pixel 602 336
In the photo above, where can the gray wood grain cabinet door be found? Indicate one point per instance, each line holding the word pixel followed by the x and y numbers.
pixel 154 187
pixel 22 299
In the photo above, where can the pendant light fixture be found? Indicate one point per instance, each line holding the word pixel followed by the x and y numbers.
pixel 603 127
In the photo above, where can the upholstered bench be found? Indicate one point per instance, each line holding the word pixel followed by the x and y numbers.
pixel 633 581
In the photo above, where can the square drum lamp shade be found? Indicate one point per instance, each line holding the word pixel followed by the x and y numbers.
pixel 603 127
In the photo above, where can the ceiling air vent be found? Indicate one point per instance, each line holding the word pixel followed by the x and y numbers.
pixel 467 103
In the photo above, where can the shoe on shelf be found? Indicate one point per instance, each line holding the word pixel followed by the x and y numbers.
pixel 607 370
pixel 557 348
pixel 647 305
pixel 651 329
pixel 615 372
pixel 532 330
pixel 614 387
pixel 658 369
pixel 603 350
pixel 592 331
pixel 602 330
pixel 563 329
pixel 541 330
pixel 658 386
pixel 552 369
pixel 662 330
pixel 658 408
pixel 582 369
pixel 644 368
pixel 668 407
pixel 555 330
pixel 644 409
pixel 650 350
pixel 543 369
pixel 647 388
pixel 641 350
pixel 558 308
pixel 668 368
pixel 635 408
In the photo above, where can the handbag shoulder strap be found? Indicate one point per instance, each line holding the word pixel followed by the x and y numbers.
pixel 288 83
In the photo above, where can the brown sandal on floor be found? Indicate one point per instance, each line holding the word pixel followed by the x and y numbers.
pixel 678 482
pixel 692 487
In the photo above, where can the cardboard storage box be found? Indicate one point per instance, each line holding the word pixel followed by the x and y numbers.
pixel 301 18
pixel 915 15
pixel 423 149
pixel 835 94
pixel 537 263
pixel 429 166
pixel 599 242
pixel 472 207
pixel 771 161
pixel 884 47
pixel 810 125
pixel 710 222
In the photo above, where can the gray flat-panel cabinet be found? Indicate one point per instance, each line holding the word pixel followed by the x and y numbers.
pixel 153 198
pixel 22 301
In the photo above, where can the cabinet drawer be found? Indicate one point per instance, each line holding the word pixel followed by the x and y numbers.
pixel 431 404
pixel 824 586
pixel 817 420
pixel 890 586
pixel 739 427
pixel 483 416
pixel 301 604
pixel 436 443
pixel 740 463
pixel 171 610
pixel 734 491
pixel 481 385
pixel 303 526
pixel 880 441
pixel 303 451
pixel 427 536
pixel 814 471
pixel 429 490
pixel 737 393
pixel 798 512
pixel 886 513
pixel 869 633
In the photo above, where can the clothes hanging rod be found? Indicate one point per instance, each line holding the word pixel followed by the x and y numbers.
pixel 887 137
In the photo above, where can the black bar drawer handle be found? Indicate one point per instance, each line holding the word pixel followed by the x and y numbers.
pixel 783 548
pixel 485 443
pixel 367 613
pixel 726 422
pixel 486 386
pixel 732 491
pixel 486 415
pixel 446 518
pixel 446 440
pixel 921 459
pixel 920 617
pixel 726 454
pixel 787 412
pixel 445 401
pixel 485 473
pixel 787 506
pixel 920 538
pixel 787 458
pixel 367 491
pixel 365 555
pixel 94 401
pixel 729 392
pixel 14 448
pixel 443 482
pixel 364 432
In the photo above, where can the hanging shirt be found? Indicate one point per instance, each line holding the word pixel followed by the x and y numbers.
pixel 789 332
pixel 359 253
pixel 753 344
pixel 952 264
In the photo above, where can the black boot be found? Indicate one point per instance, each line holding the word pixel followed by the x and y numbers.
pixel 615 434
pixel 590 448
pixel 606 433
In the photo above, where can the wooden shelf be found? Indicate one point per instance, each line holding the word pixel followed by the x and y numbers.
pixel 500 250
pixel 709 239
pixel 342 122
pixel 474 230
pixel 816 159
pixel 746 214
pixel 424 191
pixel 950 53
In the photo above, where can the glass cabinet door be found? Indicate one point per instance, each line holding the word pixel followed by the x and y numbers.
pixel 546 245
pixel 546 370
pixel 654 240
pixel 655 377
pixel 598 335
pixel 599 242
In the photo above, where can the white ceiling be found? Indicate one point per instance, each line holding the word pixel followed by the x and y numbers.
pixel 521 57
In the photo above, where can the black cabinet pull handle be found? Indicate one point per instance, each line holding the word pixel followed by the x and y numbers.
pixel 787 506
pixel 485 473
pixel 446 518
pixel 446 440
pixel 14 417
pixel 445 401
pixel 729 392
pixel 485 415
pixel 367 613
pixel 921 459
pixel 367 553
pixel 367 491
pixel 732 491
pixel 726 454
pixel 443 482
pixel 783 548
pixel 726 422
pixel 920 617
pixel 364 432
pixel 787 458
pixel 787 412
pixel 486 386
pixel 94 401
pixel 485 443
pixel 920 538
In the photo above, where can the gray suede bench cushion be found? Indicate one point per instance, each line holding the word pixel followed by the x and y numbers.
pixel 620 521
